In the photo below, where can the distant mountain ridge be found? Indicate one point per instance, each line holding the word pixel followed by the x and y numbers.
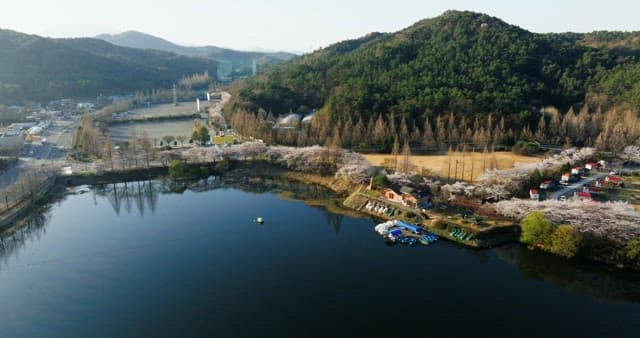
pixel 141 40
pixel 34 68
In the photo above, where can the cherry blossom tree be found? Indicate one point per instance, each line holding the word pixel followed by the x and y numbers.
pixel 617 221
pixel 345 164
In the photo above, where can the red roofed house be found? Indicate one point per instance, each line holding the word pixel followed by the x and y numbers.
pixel 583 196
pixel 535 194
pixel 576 171
pixel 592 165
pixel 613 179
pixel 566 177
pixel 546 184
pixel 392 195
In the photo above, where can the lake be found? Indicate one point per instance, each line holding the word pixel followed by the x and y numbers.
pixel 157 259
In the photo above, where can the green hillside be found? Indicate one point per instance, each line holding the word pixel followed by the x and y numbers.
pixel 460 62
pixel 34 68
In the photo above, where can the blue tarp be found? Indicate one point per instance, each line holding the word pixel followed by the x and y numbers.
pixel 409 227
pixel 396 232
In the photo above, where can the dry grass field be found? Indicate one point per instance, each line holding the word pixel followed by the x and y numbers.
pixel 159 110
pixel 467 166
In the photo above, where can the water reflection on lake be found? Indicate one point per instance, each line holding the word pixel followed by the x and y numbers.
pixel 164 259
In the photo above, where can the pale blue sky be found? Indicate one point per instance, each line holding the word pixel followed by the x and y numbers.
pixel 295 25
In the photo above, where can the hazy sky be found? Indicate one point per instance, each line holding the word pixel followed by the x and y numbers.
pixel 295 25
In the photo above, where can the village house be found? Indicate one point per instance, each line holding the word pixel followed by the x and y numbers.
pixel 534 194
pixel 592 166
pixel 614 180
pixel 583 196
pixel 566 177
pixel 409 197
pixel 393 195
pixel 404 195
pixel 548 184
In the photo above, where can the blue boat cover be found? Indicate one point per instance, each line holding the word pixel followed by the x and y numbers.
pixel 410 227
pixel 396 232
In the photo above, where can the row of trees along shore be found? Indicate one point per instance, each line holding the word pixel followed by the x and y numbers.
pixel 609 130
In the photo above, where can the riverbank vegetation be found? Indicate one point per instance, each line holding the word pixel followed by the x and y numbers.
pixel 609 232
pixel 538 231
pixel 179 170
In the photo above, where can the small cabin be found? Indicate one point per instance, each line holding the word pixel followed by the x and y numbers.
pixel 613 179
pixel 409 200
pixel 566 177
pixel 548 184
pixel 592 166
pixel 535 194
pixel 577 171
pixel 409 196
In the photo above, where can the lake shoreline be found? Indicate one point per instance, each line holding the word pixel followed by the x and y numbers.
pixel 343 203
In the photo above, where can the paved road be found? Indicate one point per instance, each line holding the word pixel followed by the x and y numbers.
pixel 570 189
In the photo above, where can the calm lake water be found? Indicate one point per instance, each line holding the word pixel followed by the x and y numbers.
pixel 149 259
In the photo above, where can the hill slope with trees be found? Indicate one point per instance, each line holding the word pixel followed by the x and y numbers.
pixel 34 68
pixel 466 64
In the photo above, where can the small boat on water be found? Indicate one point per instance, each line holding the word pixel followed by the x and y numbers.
pixel 259 220
pixel 410 241
pixel 428 238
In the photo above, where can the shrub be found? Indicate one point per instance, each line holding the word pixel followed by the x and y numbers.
pixel 177 169
pixel 565 241
pixel 525 148
pixel 381 181
pixel 536 229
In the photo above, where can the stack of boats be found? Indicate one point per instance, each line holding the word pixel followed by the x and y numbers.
pixel 461 234
pixel 380 208
pixel 400 232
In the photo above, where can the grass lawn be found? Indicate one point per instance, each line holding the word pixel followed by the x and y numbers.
pixel 227 139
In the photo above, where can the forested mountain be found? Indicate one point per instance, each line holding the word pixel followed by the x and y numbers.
pixel 34 68
pixel 460 65
pixel 135 39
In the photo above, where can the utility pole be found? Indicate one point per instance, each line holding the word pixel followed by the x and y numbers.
pixel 463 162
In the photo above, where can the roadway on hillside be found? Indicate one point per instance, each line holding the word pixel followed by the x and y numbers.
pixel 570 189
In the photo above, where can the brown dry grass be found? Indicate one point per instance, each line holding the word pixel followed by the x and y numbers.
pixel 474 163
